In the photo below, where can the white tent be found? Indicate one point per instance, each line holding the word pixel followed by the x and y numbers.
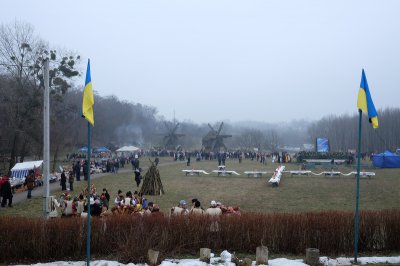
pixel 21 170
pixel 128 149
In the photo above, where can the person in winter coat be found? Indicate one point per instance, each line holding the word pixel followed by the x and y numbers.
pixel 77 171
pixel 63 181
pixel 197 208
pixel 85 170
pixel 180 209
pixel 6 192
pixel 155 212
pixel 119 199
pixel 2 181
pixel 214 212
pixel 71 182
pixel 69 206
pixel 135 163
pixel 105 198
pixel 30 183
pixel 138 177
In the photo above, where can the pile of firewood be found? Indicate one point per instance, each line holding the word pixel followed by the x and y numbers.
pixel 152 184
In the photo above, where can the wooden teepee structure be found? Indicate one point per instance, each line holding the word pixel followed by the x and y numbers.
pixel 152 184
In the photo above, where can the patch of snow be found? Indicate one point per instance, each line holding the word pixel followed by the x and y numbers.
pixel 191 262
pixel 286 262
pixel 341 261
pixel 366 260
pixel 226 258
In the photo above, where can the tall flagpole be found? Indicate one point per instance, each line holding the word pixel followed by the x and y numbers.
pixel 358 187
pixel 88 200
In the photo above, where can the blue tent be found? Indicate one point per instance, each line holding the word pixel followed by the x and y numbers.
pixel 83 149
pixel 386 159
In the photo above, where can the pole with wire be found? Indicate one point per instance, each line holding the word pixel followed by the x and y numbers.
pixel 46 139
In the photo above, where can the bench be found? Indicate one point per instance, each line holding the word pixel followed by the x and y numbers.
pixel 332 173
pixel 299 172
pixel 364 174
pixel 254 173
pixel 194 172
pixel 225 172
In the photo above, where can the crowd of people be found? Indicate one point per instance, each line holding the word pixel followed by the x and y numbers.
pixel 101 204
pixel 134 202
pixel 215 208
pixel 77 206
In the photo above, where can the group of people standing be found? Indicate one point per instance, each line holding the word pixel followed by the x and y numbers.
pixel 135 203
pixel 6 193
pixel 215 208
pixel 64 178
pixel 78 206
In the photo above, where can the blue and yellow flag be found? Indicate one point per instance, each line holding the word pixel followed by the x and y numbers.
pixel 88 98
pixel 364 102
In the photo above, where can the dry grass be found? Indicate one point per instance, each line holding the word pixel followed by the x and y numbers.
pixel 295 194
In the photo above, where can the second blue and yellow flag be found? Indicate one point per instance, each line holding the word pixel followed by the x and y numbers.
pixel 88 98
pixel 364 102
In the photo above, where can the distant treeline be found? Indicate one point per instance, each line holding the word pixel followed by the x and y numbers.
pixel 324 155
pixel 342 132
pixel 119 122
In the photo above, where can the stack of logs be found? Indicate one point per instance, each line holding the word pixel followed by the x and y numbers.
pixel 152 184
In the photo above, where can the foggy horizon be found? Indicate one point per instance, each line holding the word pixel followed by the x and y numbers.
pixel 234 61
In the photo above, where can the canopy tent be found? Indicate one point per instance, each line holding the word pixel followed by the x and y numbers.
pixel 386 159
pixel 21 170
pixel 101 149
pixel 128 149
pixel 83 149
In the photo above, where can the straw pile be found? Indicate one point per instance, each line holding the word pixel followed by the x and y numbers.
pixel 152 184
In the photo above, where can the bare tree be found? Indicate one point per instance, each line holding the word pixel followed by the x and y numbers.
pixel 342 131
pixel 272 140
pixel 21 58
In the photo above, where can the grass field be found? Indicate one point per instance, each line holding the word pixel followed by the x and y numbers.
pixel 294 194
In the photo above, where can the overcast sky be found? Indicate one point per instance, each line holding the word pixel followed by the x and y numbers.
pixel 229 60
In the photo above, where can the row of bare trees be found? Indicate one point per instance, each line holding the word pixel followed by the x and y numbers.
pixel 342 132
pixel 120 122
pixel 22 54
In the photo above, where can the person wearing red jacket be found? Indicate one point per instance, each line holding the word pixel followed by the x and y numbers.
pixel 5 189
